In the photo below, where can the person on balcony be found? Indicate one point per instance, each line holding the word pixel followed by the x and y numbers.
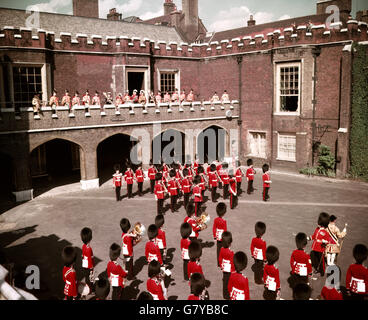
pixel 54 101
pixel 36 103
pixel 86 101
pixel 135 96
pixel 182 96
pixel 225 97
pixel 142 98
pixel 175 96
pixel 167 97
pixel 158 97
pixel 66 100
pixel 76 99
pixel 215 97
pixel 190 97
pixel 96 101
pixel 126 98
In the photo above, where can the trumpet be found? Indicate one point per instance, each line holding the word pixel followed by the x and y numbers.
pixel 203 220
pixel 138 232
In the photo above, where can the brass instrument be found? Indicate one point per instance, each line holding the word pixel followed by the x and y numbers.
pixel 202 220
pixel 138 232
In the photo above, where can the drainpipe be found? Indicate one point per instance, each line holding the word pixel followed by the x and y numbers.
pixel 239 60
pixel 316 51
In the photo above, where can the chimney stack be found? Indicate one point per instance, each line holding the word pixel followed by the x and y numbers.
pixel 113 15
pixel 169 6
pixel 191 21
pixel 251 21
pixel 85 8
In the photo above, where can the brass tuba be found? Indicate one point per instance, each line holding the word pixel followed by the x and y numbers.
pixel 138 232
pixel 202 220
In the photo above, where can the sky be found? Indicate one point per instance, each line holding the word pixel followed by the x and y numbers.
pixel 217 15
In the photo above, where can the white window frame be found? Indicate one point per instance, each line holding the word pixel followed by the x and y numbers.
pixel 177 78
pixel 250 132
pixel 280 156
pixel 278 66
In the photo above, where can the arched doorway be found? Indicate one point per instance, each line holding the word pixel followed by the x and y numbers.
pixel 54 163
pixel 114 150
pixel 6 182
pixel 169 146
pixel 211 144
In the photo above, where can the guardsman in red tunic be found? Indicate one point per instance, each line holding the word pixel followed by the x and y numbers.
pixel 239 174
pixel 155 284
pixel 160 190
pixel 250 176
pixel 225 180
pixel 173 187
pixel 238 286
pixel 233 192
pixel 139 176
pixel 197 287
pixel 357 274
pixel 202 184
pixel 87 256
pixel 186 187
pixel 226 262
pixel 76 99
pixel 197 193
pixel 219 227
pixel 116 273
pixel 152 176
pixel 185 231
pixel 165 172
pixel 266 182
pixel 152 251
pixel 69 256
pixel 182 96
pixel 160 240
pixel 117 180
pixel 129 177
pixel 66 100
pixel 271 275
pixel 191 219
pixel 258 252
pixel 214 180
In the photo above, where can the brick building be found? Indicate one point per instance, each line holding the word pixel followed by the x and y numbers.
pixel 289 83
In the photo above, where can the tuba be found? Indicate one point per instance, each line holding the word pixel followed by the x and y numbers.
pixel 138 232
pixel 202 220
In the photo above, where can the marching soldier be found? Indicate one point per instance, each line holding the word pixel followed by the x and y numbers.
pixel 66 100
pixel 160 190
pixel 129 176
pixel 139 176
pixel 239 177
pixel 152 176
pixel 117 180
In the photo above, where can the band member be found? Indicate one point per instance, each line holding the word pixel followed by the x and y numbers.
pixel 190 172
pixel 320 239
pixel 165 172
pixel 238 286
pixel 190 97
pixel 233 192
pixel 271 275
pixel 117 179
pixel 160 240
pixel 76 99
pixel 225 180
pixel 186 187
pixel 258 251
pixel 191 219
pixel 266 182
pixel 185 231
pixel 160 190
pixel 357 274
pixel 175 96
pixel 173 187
pixel 96 101
pixel 225 97
pixel 152 251
pixel 116 273
pixel 69 256
pixel 87 256
pixel 66 100
pixel 36 103
pixel 195 253
pixel 219 227
pixel 142 98
pixel 202 184
pixel 226 262
pixel 126 98
pixel 135 97
pixel 158 97
pixel 250 176
pixel 215 97
pixel 155 284
pixel 54 101
pixel 239 174
pixel 152 176
pixel 334 247
pixel 139 176
pixel 214 179
pixel 197 192
pixel 182 96
pixel 129 176
pixel 197 287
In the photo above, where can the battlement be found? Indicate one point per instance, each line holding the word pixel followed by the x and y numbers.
pixel 80 117
pixel 318 34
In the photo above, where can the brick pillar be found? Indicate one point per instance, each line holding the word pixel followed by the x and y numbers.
pixel 89 172
pixel 22 176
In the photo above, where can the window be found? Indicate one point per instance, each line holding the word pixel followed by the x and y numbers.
pixel 167 82
pixel 257 144
pixel 27 81
pixel 288 88
pixel 286 147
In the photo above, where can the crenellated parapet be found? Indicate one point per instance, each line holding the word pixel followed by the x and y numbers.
pixel 301 35
pixel 80 117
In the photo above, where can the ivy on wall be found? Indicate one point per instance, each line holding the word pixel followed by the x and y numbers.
pixel 359 116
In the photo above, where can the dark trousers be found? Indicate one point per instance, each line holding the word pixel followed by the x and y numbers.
pixel 198 208
pixel 129 188
pixel 117 293
pixel 257 268
pixel 318 262
pixel 226 191
pixel 265 193
pixel 250 187
pixel 213 194
pixel 152 184
pixel 238 187
pixel 162 251
pixel 269 295
pixel 225 282
pixel 357 296
pixel 186 199
pixel 174 200
pixel 86 273
pixel 160 205
pixel 233 201
pixel 129 266
pixel 140 188
pixel 117 192
pixel 219 246
pixel 185 269
pixel 295 279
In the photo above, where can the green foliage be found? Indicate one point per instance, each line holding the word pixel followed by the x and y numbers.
pixel 359 116
pixel 326 163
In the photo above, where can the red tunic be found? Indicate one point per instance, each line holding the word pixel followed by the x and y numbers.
pixel 331 294
pixel 239 175
pixel 139 175
pixel 129 175
pixel 152 252
pixel 357 279
pixel 320 236
pixel 271 277
pixel 197 193
pixel 117 179
pixel 258 249
pixel 186 185
pixel 193 267
pixel 202 184
pixel 193 297
pixel 224 177
pixel 266 177
pixel 70 279
pixel 159 191
pixel 87 257
pixel 212 179
pixel 127 244
pixel 152 173
pixel 194 225
pixel 184 245
pixel 219 227
pixel 300 263
pixel 154 287
pixel 238 287
pixel 160 240
pixel 226 260
pixel 250 173
pixel 232 187
pixel 172 187
pixel 116 274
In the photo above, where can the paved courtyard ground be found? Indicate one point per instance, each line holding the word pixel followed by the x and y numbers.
pixel 35 232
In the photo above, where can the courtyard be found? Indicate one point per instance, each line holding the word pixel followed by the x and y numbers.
pixel 34 233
